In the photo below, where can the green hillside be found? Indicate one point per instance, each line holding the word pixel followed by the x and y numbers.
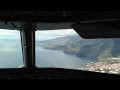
pixel 90 48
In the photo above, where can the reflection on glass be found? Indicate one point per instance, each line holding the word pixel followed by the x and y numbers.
pixel 66 49
pixel 10 49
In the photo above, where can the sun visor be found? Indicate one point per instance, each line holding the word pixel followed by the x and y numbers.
pixel 97 30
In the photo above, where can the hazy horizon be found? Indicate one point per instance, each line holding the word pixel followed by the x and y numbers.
pixel 40 35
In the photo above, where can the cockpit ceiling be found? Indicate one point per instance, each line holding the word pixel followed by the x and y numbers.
pixel 51 20
pixel 58 16
pixel 39 26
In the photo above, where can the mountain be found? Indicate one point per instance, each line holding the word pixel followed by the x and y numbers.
pixel 90 48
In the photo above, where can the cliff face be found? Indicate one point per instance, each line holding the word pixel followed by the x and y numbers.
pixel 93 48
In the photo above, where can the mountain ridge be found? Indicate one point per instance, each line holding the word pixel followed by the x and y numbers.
pixel 90 48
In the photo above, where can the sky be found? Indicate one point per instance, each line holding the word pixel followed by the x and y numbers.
pixel 40 35
pixel 9 34
pixel 52 34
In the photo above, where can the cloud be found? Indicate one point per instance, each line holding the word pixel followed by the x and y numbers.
pixel 52 34
pixel 62 32
pixel 4 33
pixel 8 32
pixel 46 34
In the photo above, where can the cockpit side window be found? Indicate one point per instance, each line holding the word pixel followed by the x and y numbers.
pixel 10 49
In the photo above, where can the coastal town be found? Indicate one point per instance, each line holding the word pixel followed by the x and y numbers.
pixel 110 65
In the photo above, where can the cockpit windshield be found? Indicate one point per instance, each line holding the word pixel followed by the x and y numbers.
pixel 66 49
